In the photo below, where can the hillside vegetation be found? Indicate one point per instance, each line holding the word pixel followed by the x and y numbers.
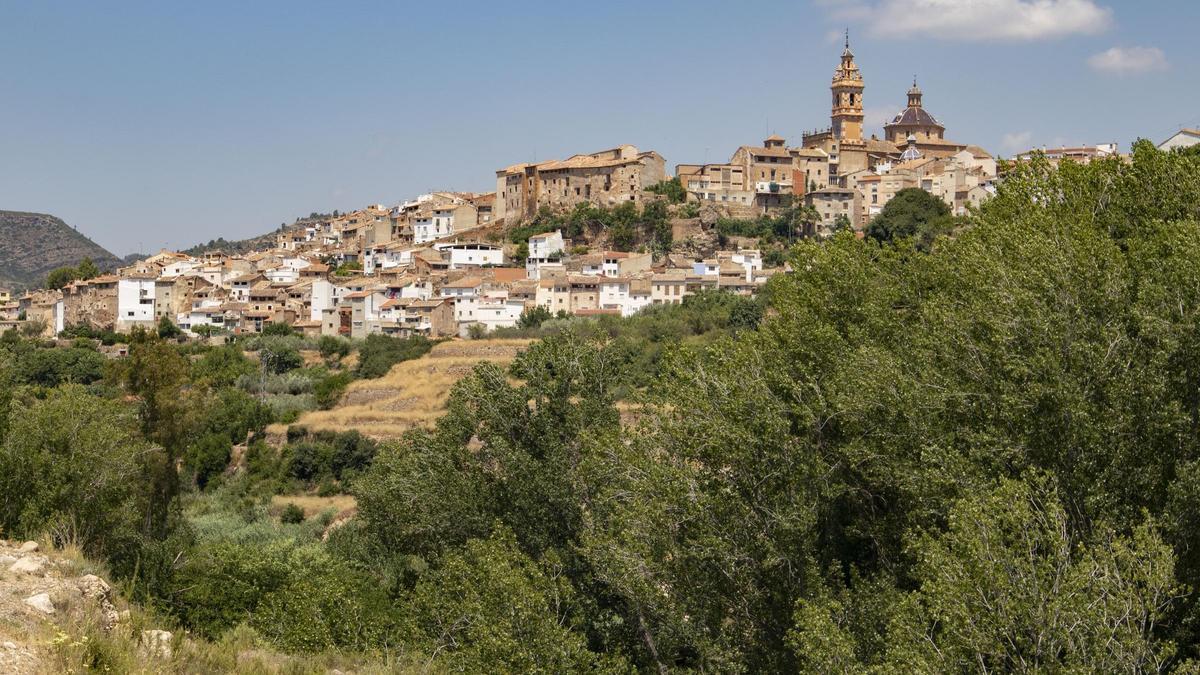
pixel 33 244
pixel 976 454
pixel 413 394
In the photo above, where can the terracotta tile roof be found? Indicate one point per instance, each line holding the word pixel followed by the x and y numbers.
pixel 465 282
pixel 507 275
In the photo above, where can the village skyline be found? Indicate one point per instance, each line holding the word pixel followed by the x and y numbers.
pixel 185 129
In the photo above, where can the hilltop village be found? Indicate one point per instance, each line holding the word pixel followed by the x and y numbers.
pixel 453 263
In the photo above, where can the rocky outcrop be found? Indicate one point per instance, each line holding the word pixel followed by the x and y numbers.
pixel 39 591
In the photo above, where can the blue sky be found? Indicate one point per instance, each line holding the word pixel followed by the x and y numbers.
pixel 152 124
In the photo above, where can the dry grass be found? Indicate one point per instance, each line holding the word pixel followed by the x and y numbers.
pixel 313 504
pixel 413 393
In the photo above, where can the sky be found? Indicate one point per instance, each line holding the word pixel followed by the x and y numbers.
pixel 151 124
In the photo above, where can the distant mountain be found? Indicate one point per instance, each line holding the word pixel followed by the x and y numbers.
pixel 32 244
pixel 262 241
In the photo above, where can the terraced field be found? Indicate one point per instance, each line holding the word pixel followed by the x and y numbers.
pixel 413 394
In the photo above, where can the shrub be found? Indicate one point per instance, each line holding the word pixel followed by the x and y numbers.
pixel 328 390
pixel 279 358
pixel 292 515
pixel 378 353
pixel 76 463
pixel 208 457
pixel 52 367
pixel 167 329
pixel 332 347
pixel 222 366
pixel 278 329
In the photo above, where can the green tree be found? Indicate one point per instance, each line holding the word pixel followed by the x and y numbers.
pixel 208 457
pixel 914 213
pixel 279 358
pixel 221 366
pixel 87 269
pixel 74 465
pixel 55 366
pixel 167 329
pixel 672 189
pixel 489 607
pixel 534 316
pixel 378 353
pixel 277 329
pixel 60 277
pixel 1051 601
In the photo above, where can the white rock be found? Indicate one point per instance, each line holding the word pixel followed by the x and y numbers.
pixel 10 645
pixel 93 587
pixel 6 560
pixel 41 602
pixel 29 547
pixel 29 565
pixel 157 643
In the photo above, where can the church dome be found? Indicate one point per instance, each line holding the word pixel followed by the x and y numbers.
pixel 914 117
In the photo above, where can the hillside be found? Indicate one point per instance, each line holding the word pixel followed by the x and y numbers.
pixel 32 244
pixel 256 243
pixel 413 394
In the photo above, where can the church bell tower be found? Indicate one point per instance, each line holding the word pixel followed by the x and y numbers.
pixel 847 87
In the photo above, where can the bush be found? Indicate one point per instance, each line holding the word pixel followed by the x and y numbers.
pixel 534 317
pixel 75 463
pixel 222 366
pixel 671 189
pixel 52 367
pixel 234 414
pixel 208 457
pixel 378 353
pixel 328 390
pixel 167 329
pixel 292 515
pixel 279 359
pixel 277 329
pixel 293 382
pixel 332 347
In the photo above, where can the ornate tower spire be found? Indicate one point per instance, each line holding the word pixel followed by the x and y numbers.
pixel 914 95
pixel 847 88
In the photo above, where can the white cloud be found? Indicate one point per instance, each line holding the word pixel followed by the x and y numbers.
pixel 974 20
pixel 1017 141
pixel 1129 60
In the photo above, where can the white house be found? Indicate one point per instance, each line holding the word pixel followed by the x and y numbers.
pixel 543 248
pixel 135 302
pixel 468 287
pixel 1184 138
pixel 207 312
pixel 614 294
pixel 179 267
pixel 322 299
pixel 493 310
pixel 473 254
pixel 437 224
pixel 282 275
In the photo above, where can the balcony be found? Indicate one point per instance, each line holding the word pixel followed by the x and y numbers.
pixel 772 187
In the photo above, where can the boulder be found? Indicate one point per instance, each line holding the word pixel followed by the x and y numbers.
pixel 93 587
pixel 29 547
pixel 6 560
pixel 41 602
pixel 157 643
pixel 98 591
pixel 33 564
